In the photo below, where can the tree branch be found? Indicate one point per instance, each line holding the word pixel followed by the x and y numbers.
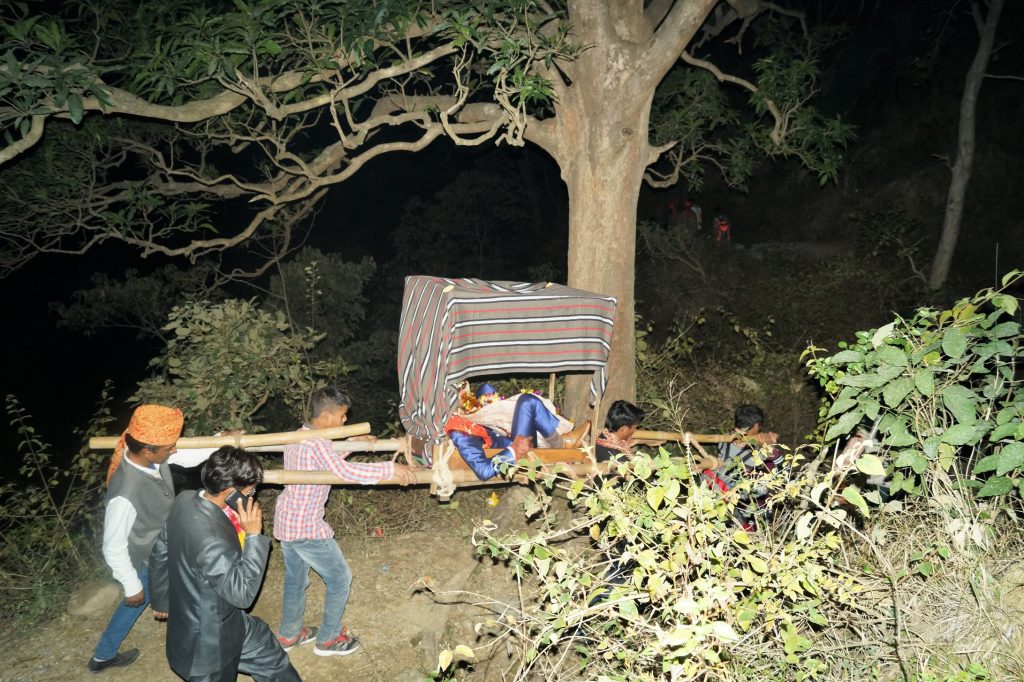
pixel 675 33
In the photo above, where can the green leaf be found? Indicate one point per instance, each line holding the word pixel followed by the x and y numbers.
pixel 879 377
pixel 895 391
pixel 75 109
pixel 758 565
pixel 1004 430
pixel 841 405
pixel 924 380
pixel 891 355
pixel 1011 457
pixel 870 465
pixel 954 343
pixel 1006 302
pixel 271 47
pixel 960 434
pixel 655 496
pixel 1000 485
pixel 961 401
pixel 852 495
pixel 846 357
pixel 1005 329
pixel 844 425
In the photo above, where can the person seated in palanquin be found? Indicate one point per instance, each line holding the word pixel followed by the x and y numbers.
pixel 484 420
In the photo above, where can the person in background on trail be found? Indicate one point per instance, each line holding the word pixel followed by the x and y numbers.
pixel 139 496
pixel 692 215
pixel 616 440
pixel 307 540
pixel 721 227
pixel 753 453
pixel 486 420
pixel 207 565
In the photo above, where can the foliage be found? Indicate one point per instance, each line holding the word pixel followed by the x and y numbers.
pixel 477 226
pixel 940 389
pixel 225 361
pixel 137 302
pixel 323 292
pixel 673 588
pixel 49 520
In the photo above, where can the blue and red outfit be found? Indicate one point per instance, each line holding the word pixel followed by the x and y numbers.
pixel 530 418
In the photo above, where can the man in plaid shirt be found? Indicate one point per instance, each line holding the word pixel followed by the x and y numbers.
pixel 307 540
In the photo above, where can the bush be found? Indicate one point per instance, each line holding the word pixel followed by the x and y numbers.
pixel 225 361
pixel 49 522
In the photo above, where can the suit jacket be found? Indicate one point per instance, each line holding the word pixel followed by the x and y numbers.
pixel 202 578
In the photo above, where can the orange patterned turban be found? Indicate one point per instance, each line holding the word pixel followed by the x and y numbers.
pixel 152 425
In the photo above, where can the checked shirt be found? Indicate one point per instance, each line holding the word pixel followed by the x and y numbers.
pixel 299 513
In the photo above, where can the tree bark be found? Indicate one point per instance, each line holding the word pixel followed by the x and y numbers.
pixel 599 137
pixel 965 151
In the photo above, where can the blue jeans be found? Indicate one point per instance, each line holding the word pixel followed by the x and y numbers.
pixel 121 622
pixel 324 557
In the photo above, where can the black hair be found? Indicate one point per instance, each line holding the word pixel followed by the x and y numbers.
pixel 328 398
pixel 748 416
pixel 622 413
pixel 135 446
pixel 231 467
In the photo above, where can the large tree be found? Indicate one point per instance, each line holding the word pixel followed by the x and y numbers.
pixel 263 105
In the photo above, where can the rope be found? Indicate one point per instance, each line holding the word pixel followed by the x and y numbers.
pixel 441 475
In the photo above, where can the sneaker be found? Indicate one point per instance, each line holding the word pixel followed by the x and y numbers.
pixel 122 659
pixel 342 645
pixel 305 636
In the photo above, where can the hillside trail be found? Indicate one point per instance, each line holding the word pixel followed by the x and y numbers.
pixel 401 627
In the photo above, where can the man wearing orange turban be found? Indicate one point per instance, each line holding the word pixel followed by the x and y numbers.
pixel 151 425
pixel 140 492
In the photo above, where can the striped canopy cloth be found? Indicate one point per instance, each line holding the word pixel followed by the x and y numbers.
pixel 454 329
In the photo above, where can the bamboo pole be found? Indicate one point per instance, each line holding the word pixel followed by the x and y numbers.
pixel 381 445
pixel 423 476
pixel 248 440
pixel 662 436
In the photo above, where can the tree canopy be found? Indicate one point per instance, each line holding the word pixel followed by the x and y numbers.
pixel 203 126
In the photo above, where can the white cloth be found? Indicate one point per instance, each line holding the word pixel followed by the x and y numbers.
pixel 191 457
pixel 498 416
pixel 117 524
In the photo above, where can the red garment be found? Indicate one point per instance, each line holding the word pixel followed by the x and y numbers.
pixel 457 422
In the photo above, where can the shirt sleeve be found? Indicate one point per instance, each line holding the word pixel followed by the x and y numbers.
pixel 365 473
pixel 117 525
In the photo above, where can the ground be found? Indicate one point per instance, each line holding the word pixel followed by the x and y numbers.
pixel 400 626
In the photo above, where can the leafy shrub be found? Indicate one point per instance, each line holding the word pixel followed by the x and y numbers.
pixel 696 597
pixel 49 518
pixel 225 361
pixel 941 389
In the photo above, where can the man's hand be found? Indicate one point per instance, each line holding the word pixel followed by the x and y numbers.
pixel 404 474
pixel 250 516
pixel 767 438
pixel 160 616
pixel 704 463
pixel 135 599
pixel 521 445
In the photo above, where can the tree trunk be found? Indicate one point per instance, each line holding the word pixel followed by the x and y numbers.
pixel 603 176
pixel 965 151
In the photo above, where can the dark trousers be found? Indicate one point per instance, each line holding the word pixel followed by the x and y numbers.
pixel 262 657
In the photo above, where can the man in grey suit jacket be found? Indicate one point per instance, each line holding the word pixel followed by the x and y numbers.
pixel 205 570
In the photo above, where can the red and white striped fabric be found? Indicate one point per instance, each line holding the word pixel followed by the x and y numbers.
pixel 454 329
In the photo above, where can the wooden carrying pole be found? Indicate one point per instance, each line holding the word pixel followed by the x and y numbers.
pixel 662 436
pixel 422 476
pixel 247 440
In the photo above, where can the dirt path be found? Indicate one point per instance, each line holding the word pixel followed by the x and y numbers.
pixel 396 625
